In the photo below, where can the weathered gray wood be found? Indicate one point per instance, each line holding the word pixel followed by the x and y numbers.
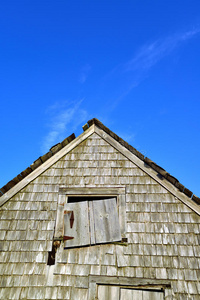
pixel 92 291
pixel 128 294
pixel 163 182
pixel 94 222
pixel 102 191
pixel 59 228
pixel 152 295
pixel 80 229
pixel 114 292
pixel 106 221
pixel 122 213
pixel 118 293
pixel 130 281
pixel 91 219
pixel 59 221
pixel 102 292
pixel 93 191
pixel 162 233
pixel 132 294
pixel 108 292
pixel 135 294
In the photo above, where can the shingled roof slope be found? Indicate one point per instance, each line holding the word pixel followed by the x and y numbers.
pixel 59 146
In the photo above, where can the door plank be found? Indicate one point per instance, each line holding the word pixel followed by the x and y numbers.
pixel 152 295
pixel 106 292
pixel 106 221
pixel 91 219
pixel 129 294
pixel 102 292
pixel 132 294
pixel 80 229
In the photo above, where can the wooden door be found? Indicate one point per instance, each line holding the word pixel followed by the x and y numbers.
pixel 107 292
pixel 131 294
pixel 106 221
pixel 76 224
pixel 91 222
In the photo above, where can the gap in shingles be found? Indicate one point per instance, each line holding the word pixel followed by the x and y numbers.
pixel 72 199
pixel 51 256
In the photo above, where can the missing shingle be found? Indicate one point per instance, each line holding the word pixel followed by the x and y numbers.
pixel 125 240
pixel 52 253
pixel 160 176
pixel 51 258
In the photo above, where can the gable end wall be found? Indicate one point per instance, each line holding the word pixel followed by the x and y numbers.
pixel 162 232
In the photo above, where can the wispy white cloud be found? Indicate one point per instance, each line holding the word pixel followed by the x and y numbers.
pixel 130 74
pixel 84 73
pixel 151 54
pixel 59 116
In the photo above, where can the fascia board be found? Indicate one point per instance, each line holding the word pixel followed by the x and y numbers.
pixel 46 165
pixel 148 170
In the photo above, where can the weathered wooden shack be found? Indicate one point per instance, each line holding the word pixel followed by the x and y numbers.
pixel 95 219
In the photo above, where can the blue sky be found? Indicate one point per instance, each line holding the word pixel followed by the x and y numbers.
pixel 134 65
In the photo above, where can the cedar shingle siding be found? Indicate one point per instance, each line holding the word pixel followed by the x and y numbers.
pixel 162 250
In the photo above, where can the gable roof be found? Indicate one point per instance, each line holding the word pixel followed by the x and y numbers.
pixel 94 125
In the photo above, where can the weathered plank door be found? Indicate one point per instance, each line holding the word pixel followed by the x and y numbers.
pixel 76 224
pixel 91 222
pixel 106 292
pixel 106 221
pixel 130 294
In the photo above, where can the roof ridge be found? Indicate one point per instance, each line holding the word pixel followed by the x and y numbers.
pixel 56 148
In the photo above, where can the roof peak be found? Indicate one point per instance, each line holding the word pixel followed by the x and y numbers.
pixel 56 148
